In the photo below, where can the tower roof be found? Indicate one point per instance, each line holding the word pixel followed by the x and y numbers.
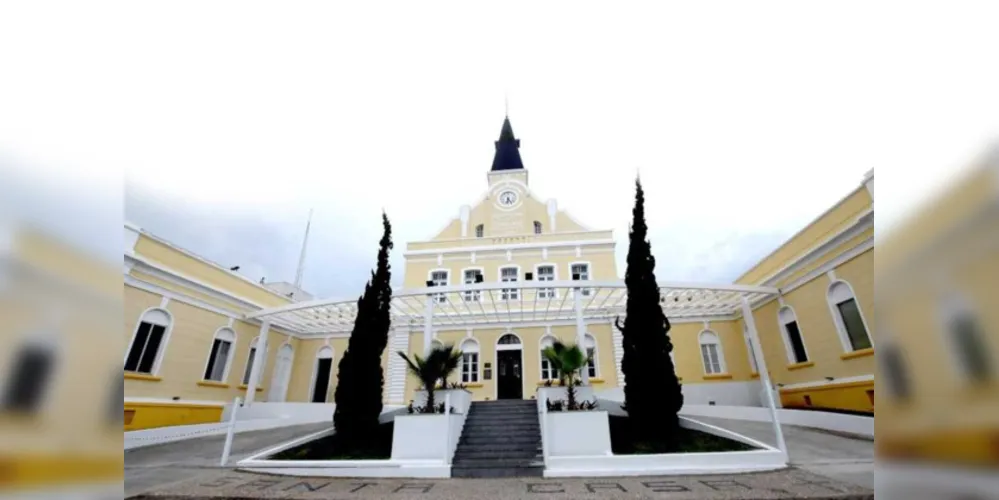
pixel 507 150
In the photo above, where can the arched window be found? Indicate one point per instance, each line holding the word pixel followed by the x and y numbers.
pixel 711 352
pixel 29 378
pixel 469 361
pixel 537 227
pixel 148 341
pixel 793 342
pixel 966 339
pixel 590 344
pixel 508 339
pixel 480 230
pixel 249 361
pixel 436 344
pixel 323 371
pixel 220 355
pixel 848 318
pixel 548 372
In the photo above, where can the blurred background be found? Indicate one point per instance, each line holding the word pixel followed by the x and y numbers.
pixel 68 138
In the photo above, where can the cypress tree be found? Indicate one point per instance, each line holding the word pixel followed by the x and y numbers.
pixel 360 380
pixel 652 394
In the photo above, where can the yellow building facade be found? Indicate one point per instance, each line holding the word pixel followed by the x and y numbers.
pixel 198 335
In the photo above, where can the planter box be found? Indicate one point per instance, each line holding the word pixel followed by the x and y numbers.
pixel 565 458
pixel 577 434
pixel 461 399
pixel 426 436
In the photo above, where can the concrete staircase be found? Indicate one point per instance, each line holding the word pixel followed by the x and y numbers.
pixel 500 439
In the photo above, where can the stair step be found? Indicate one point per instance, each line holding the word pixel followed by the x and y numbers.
pixel 498 463
pixel 502 447
pixel 475 472
pixel 490 453
pixel 505 424
pixel 498 439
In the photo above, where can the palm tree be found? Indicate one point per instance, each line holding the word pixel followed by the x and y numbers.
pixel 430 369
pixel 567 360
pixel 451 364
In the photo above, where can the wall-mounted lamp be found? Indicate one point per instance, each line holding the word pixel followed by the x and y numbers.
pixel 430 283
pixel 829 379
pixel 479 278
pixel 528 276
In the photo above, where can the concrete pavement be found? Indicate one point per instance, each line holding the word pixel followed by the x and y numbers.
pixel 834 455
pixel 156 466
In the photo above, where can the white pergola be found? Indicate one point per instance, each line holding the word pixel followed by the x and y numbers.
pixel 467 306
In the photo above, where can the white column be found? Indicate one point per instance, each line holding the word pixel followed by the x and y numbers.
pixel 428 324
pixel 761 364
pixel 577 300
pixel 259 360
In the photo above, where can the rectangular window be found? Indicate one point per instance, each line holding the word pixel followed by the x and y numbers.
pixel 537 227
pixel 548 372
pixel 146 345
pixel 797 346
pixel 581 272
pixel 854 324
pixel 217 360
pixel 470 367
pixel 471 276
pixel 509 275
pixel 249 366
pixel 28 379
pixel 709 353
pixel 480 231
pixel 591 363
pixel 439 278
pixel 546 273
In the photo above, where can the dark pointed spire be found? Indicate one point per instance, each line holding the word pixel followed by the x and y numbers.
pixel 507 149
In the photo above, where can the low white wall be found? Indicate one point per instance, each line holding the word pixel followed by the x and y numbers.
pixel 461 399
pixel 161 435
pixel 426 436
pixel 576 433
pixel 851 424
pixel 316 412
pixel 722 393
pixel 341 468
pixel 591 465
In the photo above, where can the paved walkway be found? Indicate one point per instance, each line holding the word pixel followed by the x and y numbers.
pixel 825 466
pixel 830 454
pixel 157 466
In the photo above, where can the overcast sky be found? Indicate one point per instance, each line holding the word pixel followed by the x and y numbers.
pixel 746 120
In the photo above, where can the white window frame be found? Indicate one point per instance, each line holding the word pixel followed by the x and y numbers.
pixel 589 275
pixel 471 346
pixel 321 354
pixel 782 321
pixel 543 293
pixel 472 295
pixel 833 303
pixel 163 343
pixel 248 369
pixel 509 293
pixel 229 355
pixel 547 340
pixel 440 298
pixel 587 338
pixel 719 350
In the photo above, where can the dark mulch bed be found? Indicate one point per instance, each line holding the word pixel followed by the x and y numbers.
pixel 623 442
pixel 377 448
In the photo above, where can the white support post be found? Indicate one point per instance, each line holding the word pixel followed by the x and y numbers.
pixel 761 364
pixel 259 359
pixel 227 447
pixel 577 298
pixel 428 324
pixel 447 418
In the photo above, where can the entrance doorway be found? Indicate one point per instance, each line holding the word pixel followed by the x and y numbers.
pixel 321 380
pixel 509 368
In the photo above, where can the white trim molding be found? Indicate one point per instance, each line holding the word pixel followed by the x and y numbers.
pixel 511 246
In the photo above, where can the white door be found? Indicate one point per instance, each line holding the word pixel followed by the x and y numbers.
pixel 282 373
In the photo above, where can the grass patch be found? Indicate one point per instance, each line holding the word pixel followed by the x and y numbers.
pixel 623 442
pixel 379 447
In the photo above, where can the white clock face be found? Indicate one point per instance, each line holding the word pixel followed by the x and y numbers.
pixel 508 198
